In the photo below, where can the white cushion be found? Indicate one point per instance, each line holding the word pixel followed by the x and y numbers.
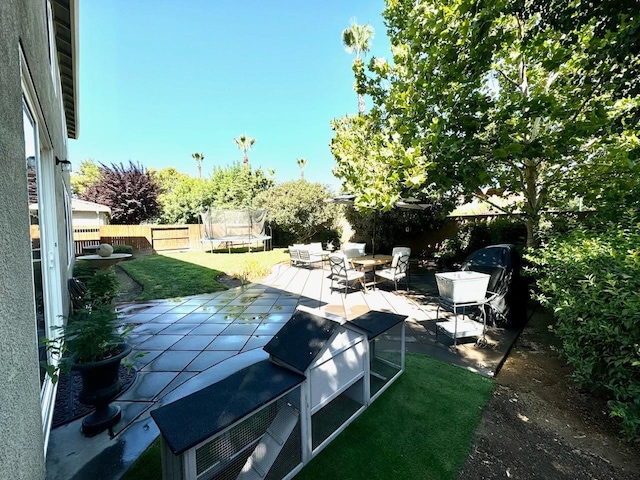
pixel 389 274
pixel 359 247
pixel 352 253
pixel 314 247
pixel 406 250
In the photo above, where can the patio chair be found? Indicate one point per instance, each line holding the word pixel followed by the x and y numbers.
pixel 353 250
pixel 406 250
pixel 308 257
pixel 294 255
pixel 343 272
pixel 397 271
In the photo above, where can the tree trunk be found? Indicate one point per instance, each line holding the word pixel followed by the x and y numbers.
pixel 245 160
pixel 532 225
pixel 361 105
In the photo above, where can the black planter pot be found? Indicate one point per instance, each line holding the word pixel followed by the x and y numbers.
pixel 100 385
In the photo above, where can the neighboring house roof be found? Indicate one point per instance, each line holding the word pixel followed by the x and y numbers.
pixel 65 19
pixel 78 205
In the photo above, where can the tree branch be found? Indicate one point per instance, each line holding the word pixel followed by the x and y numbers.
pixel 586 99
pixel 485 198
pixel 506 77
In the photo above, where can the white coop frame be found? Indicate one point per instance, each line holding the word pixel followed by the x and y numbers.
pixel 325 371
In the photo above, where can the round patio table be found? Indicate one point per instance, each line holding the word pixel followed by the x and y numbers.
pixel 371 261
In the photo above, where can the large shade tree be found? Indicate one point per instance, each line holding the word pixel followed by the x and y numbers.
pixel 357 39
pixel 88 173
pixel 131 192
pixel 613 60
pixel 478 94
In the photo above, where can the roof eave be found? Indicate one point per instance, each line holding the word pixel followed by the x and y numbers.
pixel 66 32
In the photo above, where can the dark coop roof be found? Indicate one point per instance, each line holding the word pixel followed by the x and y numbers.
pixel 375 322
pixel 196 417
pixel 301 339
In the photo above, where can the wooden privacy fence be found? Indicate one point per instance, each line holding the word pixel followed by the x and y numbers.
pixel 142 238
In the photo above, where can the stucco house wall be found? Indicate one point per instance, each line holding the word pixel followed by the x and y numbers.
pixel 23 33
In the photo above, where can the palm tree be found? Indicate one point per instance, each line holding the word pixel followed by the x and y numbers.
pixel 301 163
pixel 357 38
pixel 244 143
pixel 199 158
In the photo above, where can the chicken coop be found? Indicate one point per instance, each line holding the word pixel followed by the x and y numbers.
pixel 270 419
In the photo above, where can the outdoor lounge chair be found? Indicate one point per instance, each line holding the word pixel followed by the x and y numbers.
pixel 294 255
pixel 397 271
pixel 301 253
pixel 343 272
pixel 308 257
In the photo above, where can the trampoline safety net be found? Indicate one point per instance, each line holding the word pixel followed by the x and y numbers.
pixel 234 226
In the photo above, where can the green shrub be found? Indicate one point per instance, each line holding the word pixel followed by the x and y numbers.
pixel 394 227
pixel 251 270
pixel 102 288
pixel 84 270
pixel 298 213
pixel 508 230
pixel 122 249
pixel 591 280
pixel 478 234
pixel 473 236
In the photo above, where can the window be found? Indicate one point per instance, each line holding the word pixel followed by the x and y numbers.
pixel 32 152
pixel 68 223
pixel 41 213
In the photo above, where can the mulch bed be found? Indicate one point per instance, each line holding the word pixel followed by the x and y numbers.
pixel 68 407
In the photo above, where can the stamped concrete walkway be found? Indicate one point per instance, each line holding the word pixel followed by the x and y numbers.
pixel 195 341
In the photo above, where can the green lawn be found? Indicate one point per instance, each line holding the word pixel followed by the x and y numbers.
pixel 190 273
pixel 421 428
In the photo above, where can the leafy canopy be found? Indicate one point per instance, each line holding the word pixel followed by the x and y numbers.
pixel 244 143
pixel 233 186
pixel 87 175
pixel 297 211
pixel 478 94
pixel 130 191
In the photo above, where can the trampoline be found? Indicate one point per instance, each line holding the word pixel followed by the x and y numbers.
pixel 234 228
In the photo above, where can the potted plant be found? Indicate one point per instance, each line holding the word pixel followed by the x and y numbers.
pixel 93 343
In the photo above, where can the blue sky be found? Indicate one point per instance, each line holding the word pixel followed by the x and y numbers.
pixel 162 79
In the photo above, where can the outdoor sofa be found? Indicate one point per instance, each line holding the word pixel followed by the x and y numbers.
pixel 306 254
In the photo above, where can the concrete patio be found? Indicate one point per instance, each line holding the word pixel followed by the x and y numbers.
pixel 193 342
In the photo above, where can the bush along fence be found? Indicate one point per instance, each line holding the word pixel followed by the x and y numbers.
pixel 453 240
pixel 590 279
